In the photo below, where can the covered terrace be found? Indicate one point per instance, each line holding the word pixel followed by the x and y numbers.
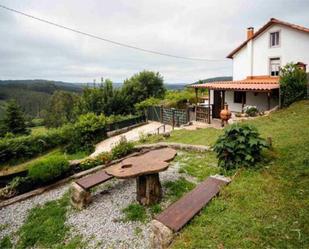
pixel 256 85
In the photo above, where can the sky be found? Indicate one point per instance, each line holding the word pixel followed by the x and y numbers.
pixel 193 28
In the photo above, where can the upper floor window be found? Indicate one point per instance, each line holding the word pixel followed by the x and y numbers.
pixel 274 66
pixel 274 39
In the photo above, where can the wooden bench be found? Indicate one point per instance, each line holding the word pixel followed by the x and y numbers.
pixel 80 189
pixel 179 213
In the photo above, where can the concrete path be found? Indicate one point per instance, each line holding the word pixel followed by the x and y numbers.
pixel 132 135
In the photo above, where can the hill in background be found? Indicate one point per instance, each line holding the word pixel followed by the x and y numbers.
pixel 34 95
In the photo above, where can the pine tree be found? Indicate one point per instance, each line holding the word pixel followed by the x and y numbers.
pixel 14 120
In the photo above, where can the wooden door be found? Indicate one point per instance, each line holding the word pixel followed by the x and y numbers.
pixel 216 109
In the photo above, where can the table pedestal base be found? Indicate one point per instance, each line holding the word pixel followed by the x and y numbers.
pixel 148 189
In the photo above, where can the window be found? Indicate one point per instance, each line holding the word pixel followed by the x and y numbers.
pixel 274 39
pixel 239 96
pixel 274 66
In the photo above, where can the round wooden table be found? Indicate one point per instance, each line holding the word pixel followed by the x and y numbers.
pixel 145 168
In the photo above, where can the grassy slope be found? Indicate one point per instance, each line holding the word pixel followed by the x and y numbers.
pixel 261 208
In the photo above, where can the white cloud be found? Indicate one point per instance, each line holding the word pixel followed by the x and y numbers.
pixel 205 29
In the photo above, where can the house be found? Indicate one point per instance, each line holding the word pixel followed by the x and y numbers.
pixel 256 64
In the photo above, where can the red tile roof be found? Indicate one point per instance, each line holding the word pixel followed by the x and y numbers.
pixel 256 83
pixel 261 30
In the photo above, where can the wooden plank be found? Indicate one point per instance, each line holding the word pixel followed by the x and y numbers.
pixel 94 180
pixel 183 210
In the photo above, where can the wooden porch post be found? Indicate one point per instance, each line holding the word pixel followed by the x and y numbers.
pixel 196 94
pixel 209 106
pixel 242 102
pixel 222 99
pixel 268 100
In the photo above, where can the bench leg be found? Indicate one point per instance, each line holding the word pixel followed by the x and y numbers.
pixel 148 189
pixel 80 197
pixel 161 236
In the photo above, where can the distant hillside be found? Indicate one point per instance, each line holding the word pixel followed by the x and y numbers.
pixel 32 95
pixel 222 78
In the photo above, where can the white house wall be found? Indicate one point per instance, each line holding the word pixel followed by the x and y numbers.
pixel 294 47
pixel 259 100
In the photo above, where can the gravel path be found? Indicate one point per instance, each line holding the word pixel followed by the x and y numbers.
pixel 101 222
pixel 132 135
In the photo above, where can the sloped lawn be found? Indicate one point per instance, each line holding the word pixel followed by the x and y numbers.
pixel 267 207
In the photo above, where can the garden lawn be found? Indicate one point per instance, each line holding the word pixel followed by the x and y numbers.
pixel 266 207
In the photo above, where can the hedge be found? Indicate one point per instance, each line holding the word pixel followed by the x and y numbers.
pixel 25 147
pixel 81 136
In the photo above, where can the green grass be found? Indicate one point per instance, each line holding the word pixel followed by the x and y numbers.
pixel 45 227
pixel 176 189
pixel 5 243
pixel 135 212
pixel 199 165
pixel 266 207
pixel 39 130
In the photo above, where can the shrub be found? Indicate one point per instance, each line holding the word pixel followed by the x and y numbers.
pixel 86 132
pixel 48 169
pixel 24 147
pixel 17 186
pixel 122 149
pixel 293 84
pixel 240 145
pixel 252 111
pixel 102 158
pixel 36 122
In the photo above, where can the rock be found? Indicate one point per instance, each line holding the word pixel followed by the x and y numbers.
pixel 80 197
pixel 161 236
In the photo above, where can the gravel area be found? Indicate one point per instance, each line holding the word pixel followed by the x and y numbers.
pixel 13 216
pixel 101 222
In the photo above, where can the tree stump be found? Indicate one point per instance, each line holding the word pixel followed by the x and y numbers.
pixel 148 189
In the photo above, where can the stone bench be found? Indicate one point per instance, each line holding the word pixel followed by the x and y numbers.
pixel 80 189
pixel 179 213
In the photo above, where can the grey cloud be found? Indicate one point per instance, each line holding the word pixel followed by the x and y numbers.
pixel 207 29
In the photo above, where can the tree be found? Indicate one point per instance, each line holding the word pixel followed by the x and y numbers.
pixel 293 84
pixel 61 109
pixel 142 86
pixel 14 120
pixel 103 100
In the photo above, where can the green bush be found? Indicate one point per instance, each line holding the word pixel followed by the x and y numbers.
pixel 240 145
pixel 36 122
pixel 48 169
pixel 122 149
pixel 86 132
pixel 25 147
pixel 252 111
pixel 16 186
pixel 293 84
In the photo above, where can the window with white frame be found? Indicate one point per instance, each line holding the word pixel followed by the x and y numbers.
pixel 274 39
pixel 274 66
